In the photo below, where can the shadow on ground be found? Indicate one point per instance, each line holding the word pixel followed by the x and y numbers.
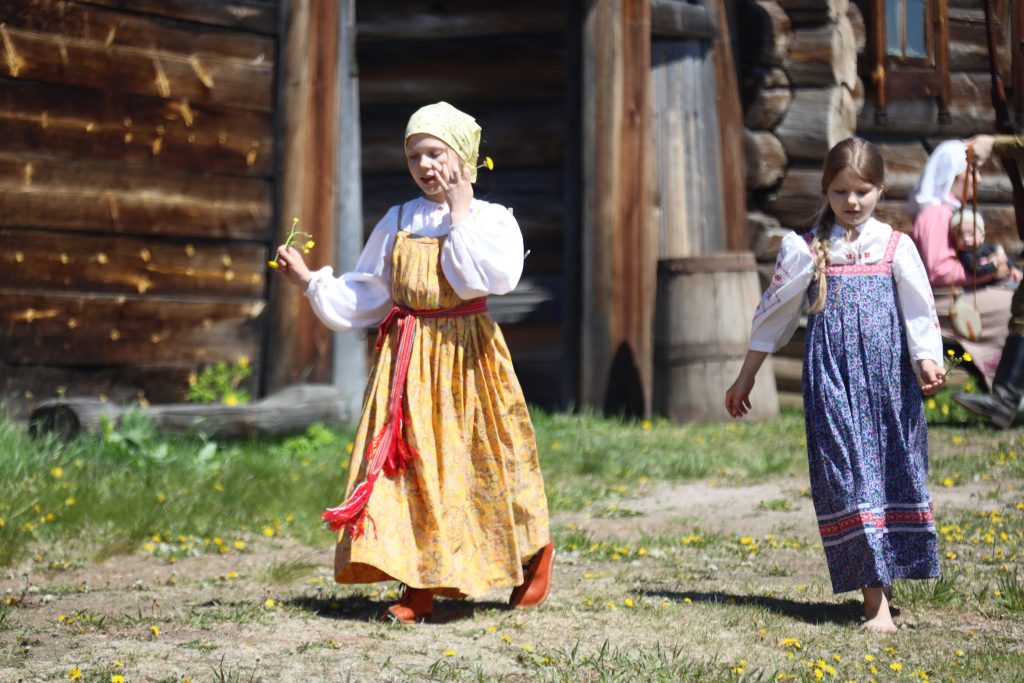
pixel 810 612
pixel 359 608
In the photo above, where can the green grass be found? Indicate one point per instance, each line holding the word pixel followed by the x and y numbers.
pixel 129 487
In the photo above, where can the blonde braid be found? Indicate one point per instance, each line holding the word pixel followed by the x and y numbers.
pixel 822 260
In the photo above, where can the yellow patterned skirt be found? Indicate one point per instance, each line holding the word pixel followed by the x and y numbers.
pixel 471 509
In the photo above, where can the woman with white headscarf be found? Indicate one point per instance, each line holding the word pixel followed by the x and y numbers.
pixel 932 205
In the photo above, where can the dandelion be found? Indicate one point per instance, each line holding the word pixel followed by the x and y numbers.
pixel 243 361
pixel 628 602
pixel 449 653
pixel 507 638
pixel 230 399
pixel 239 545
pixel 155 630
pixel 791 643
pixel 488 164
pixel 270 603
pixel 527 647
pixel 57 472
pixel 74 673
pixel 268 531
pixel 646 425
pixel 896 666
pixel 118 663
pixel 117 678
pixel 687 600
pixel 293 235
pixel 491 629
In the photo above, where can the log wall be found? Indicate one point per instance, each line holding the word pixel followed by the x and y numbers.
pixel 506 65
pixel 137 180
pixel 803 87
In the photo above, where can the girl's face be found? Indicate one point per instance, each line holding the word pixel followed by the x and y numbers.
pixel 852 198
pixel 429 158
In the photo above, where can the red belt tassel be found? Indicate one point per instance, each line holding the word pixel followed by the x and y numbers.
pixel 389 450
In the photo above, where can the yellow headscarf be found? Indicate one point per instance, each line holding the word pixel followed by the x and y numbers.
pixel 455 128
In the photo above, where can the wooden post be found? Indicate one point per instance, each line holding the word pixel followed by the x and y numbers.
pixel 730 131
pixel 619 261
pixel 299 347
pixel 350 362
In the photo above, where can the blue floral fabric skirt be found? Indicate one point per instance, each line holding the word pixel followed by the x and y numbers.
pixel 867 440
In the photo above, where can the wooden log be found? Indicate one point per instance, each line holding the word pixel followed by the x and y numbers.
pixel 22 388
pixel 485 71
pixel 823 55
pixel 77 21
pixel 811 12
pixel 765 157
pixel 968 42
pixel 413 19
pixel 133 129
pixel 766 32
pixel 701 335
pixel 50 328
pixel 970 112
pixel 798 197
pixel 123 264
pixel 170 75
pixel 618 246
pixel 904 162
pixel 766 235
pixel 258 16
pixel 289 411
pixel 44 192
pixel 816 120
pixel 769 105
pixel 860 31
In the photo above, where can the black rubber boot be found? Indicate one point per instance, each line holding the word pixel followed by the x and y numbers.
pixel 1002 405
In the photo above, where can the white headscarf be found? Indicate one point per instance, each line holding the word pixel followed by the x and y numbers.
pixel 936 182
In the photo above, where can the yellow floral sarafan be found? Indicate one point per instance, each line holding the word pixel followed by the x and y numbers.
pixel 471 507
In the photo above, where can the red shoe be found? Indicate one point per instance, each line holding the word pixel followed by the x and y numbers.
pixel 417 604
pixel 537 582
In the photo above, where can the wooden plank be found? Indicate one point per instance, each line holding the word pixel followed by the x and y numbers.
pixel 258 16
pixel 133 129
pixel 970 110
pixel 130 265
pixel 816 120
pixel 730 132
pixel 79 21
pixel 618 244
pixel 42 192
pixel 310 92
pixel 413 19
pixel 501 69
pixel 91 64
pixel 527 135
pixel 47 328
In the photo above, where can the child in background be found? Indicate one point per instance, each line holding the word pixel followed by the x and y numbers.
pixel 461 508
pixel 872 345
pixel 967 232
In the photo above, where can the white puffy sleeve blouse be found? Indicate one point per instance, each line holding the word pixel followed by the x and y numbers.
pixel 483 255
pixel 786 299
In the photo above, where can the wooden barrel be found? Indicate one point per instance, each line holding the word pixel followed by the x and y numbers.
pixel 701 330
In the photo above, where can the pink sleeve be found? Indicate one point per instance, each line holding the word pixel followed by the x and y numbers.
pixel 931 235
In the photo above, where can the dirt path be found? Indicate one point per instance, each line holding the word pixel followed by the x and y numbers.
pixel 226 618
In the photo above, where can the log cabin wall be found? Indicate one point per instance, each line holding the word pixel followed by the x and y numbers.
pixel 137 180
pixel 804 73
pixel 505 64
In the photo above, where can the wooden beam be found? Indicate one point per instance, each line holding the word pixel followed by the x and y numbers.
pixel 299 345
pixel 674 19
pixel 730 131
pixel 619 256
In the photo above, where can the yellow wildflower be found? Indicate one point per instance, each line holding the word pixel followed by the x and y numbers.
pixel 74 673
pixel 243 361
pixel 155 630
pixel 239 545
pixel 967 357
pixel 273 264
pixel 57 472
pixel 896 666
pixel 270 603
pixel 449 653
pixel 309 244
pixel 117 678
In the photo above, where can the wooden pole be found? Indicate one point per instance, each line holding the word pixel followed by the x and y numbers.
pixel 299 347
pixel 350 362
pixel 619 261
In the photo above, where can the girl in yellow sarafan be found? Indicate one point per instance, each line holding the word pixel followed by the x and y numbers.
pixel 460 508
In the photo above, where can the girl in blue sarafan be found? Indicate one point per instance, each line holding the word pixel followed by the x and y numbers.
pixel 872 346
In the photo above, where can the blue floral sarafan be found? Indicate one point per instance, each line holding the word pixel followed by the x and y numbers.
pixel 867 439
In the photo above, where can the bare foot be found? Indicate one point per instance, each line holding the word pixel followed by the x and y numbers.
pixel 876 611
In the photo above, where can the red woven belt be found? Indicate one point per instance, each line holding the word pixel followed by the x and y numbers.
pixel 390 452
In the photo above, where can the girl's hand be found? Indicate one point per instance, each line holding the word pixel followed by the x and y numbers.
pixel 292 266
pixel 737 397
pixel 453 175
pixel 932 376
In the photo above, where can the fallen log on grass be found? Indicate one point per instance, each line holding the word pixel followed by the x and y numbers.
pixel 289 411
